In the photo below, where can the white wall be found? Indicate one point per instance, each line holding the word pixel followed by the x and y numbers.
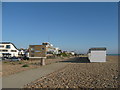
pixel 9 50
pixel 97 56
pixel 89 54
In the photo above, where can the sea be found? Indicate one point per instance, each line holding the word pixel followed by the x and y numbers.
pixel 113 54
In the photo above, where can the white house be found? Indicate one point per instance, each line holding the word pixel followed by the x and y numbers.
pixel 23 52
pixel 97 54
pixel 56 50
pixel 72 52
pixel 50 48
pixel 8 49
pixel 47 44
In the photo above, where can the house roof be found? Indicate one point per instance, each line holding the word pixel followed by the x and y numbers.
pixel 97 49
pixel 5 42
pixel 103 48
pixel 8 43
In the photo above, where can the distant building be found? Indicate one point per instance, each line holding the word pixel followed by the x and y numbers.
pixel 27 52
pixel 8 49
pixel 47 44
pixel 50 50
pixel 56 51
pixel 23 52
pixel 97 54
pixel 37 51
pixel 72 52
pixel 60 51
pixel 65 52
pixel 44 50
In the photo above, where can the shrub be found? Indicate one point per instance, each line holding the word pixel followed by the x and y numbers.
pixel 64 54
pixel 20 63
pixel 5 62
pixel 13 63
pixel 50 57
pixel 25 65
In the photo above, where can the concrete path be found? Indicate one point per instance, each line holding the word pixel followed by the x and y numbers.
pixel 20 79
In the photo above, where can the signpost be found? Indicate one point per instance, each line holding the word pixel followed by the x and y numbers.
pixel 38 52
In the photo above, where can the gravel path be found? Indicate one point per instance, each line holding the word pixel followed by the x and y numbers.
pixel 20 79
pixel 82 75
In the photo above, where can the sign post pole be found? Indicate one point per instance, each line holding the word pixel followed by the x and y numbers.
pixel 42 61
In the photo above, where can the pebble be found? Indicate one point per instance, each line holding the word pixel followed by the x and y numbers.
pixel 76 75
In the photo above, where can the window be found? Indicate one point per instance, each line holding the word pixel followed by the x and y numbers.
pixel 3 50
pixel 7 46
pixel 43 48
pixel 13 51
pixel 49 52
pixel 1 46
pixel 32 49
pixel 37 51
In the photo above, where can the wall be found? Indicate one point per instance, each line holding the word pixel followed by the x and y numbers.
pixel 97 56
pixel 9 50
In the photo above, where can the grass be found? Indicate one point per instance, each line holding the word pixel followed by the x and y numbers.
pixel 25 65
pixel 5 62
pixel 21 63
pixel 13 63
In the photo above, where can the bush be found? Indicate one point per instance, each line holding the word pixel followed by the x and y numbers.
pixel 13 63
pixel 64 54
pixel 5 62
pixel 25 65
pixel 20 63
pixel 50 57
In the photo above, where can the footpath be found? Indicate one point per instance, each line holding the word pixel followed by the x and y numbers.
pixel 18 80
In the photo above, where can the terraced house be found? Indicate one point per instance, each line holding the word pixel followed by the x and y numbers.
pixel 8 49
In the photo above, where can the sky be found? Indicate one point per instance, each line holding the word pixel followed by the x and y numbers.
pixel 67 25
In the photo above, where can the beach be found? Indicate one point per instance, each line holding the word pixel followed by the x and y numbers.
pixel 82 75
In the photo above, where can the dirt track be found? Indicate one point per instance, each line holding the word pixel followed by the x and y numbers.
pixel 9 68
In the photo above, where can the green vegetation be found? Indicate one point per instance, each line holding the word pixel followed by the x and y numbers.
pixel 13 63
pixel 50 57
pixel 25 65
pixel 5 62
pixel 65 54
pixel 20 62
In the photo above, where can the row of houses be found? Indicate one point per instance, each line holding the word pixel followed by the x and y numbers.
pixel 44 50
pixel 8 49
